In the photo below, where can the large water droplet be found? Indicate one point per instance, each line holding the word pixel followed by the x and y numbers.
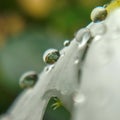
pixel 66 43
pixel 28 79
pixel 51 56
pixel 98 14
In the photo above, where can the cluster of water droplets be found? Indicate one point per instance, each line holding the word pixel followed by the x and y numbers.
pixel 51 56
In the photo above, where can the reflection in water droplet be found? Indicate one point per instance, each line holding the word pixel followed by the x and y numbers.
pixel 79 99
pixel 28 79
pixel 51 56
pixel 66 43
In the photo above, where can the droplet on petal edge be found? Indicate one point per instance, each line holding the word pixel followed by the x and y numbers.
pixel 84 32
pixel 51 56
pixel 28 79
pixel 98 29
pixel 98 14
pixel 66 43
pixel 83 36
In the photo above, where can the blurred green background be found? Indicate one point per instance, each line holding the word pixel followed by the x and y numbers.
pixel 27 29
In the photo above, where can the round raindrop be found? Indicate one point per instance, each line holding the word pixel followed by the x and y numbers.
pixel 51 56
pixel 98 14
pixel 28 79
pixel 66 43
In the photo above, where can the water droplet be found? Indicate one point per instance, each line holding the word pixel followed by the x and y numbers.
pixel 79 98
pixel 98 14
pixel 51 56
pixel 62 54
pixel 81 33
pixel 98 29
pixel 66 43
pixel 83 36
pixel 28 79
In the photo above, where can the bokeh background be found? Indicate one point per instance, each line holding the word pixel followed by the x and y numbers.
pixel 27 29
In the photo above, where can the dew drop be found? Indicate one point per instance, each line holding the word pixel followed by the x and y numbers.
pixel 28 79
pixel 51 56
pixel 83 36
pixel 66 43
pixel 98 14
pixel 80 34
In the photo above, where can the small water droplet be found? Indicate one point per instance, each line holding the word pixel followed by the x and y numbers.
pixel 51 56
pixel 66 43
pixel 98 14
pixel 79 98
pixel 28 79
pixel 81 33
pixel 83 36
